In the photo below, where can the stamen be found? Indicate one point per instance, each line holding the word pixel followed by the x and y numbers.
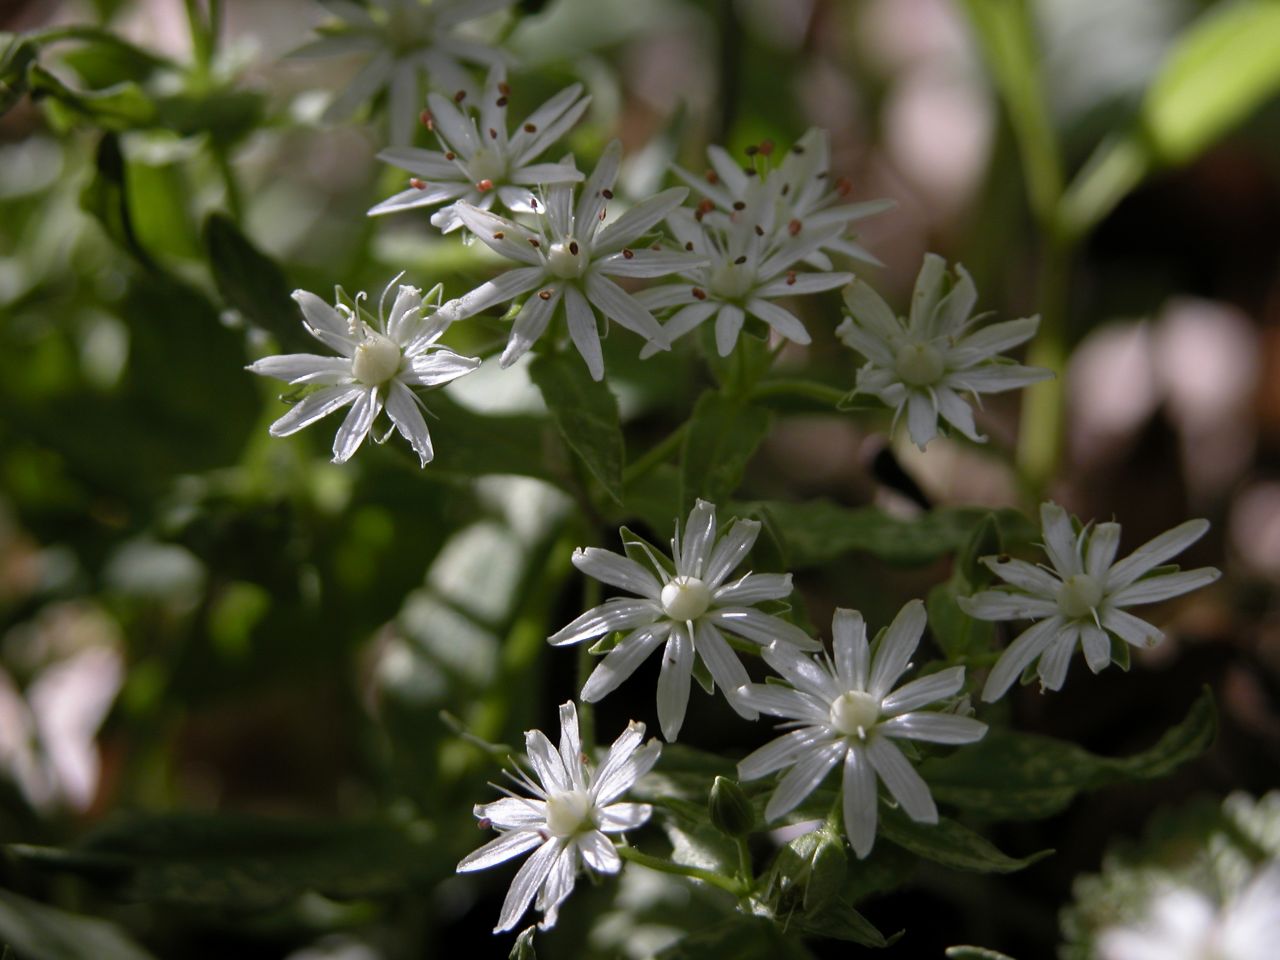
pixel 451 155
pixel 712 177
pixel 791 278
pixel 499 235
pixel 544 294
pixel 699 293
pixel 739 205
pixel 759 230
pixel 741 260
pixel 530 128
pixel 504 88
pixel 484 186
pixel 484 823
pixel 786 188
pixel 501 101
pixel 689 245
pixel 627 254
pixel 752 150
pixel 533 242
pixel 797 149
pixel 573 247
pixel 427 120
pixel 417 184
pixel 460 96
pixel 766 147
pixel 607 194
pixel 493 134
pixel 844 187
pixel 793 227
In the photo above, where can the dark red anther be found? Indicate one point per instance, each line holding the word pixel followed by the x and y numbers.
pixel 791 278
pixel 502 101
pixel 484 186
pixel 484 823
pixel 530 128
pixel 793 227
pixel 699 293
pixel 460 96
pixel 739 205
pixel 544 294
pixel 533 242
pixel 843 186
pixel 752 150
pixel 573 247
pixel 451 155
pixel 607 194
pixel 766 147
pixel 797 149
pixel 786 188
pixel 504 88
pixel 627 254
pixel 493 134
pixel 712 177
pixel 417 184
pixel 689 245
pixel 759 230
pixel 427 120
pixel 499 235
pixel 740 261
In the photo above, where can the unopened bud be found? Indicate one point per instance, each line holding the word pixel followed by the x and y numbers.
pixel 730 810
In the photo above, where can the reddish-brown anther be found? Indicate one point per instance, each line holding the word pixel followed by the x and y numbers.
pixel 793 227
pixel 417 184
pixel 699 293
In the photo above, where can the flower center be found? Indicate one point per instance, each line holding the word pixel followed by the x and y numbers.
pixel 567 259
pixel 377 360
pixel 570 812
pixel 731 281
pixel 685 598
pixel 488 165
pixel 1079 595
pixel 919 364
pixel 855 713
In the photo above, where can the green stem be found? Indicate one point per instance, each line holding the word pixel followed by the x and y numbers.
pixel 235 197
pixel 585 664
pixel 806 389
pixel 745 868
pixel 655 455
pixel 680 869
pixel 201 36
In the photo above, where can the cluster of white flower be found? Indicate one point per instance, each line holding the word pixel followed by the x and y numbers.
pixel 759 233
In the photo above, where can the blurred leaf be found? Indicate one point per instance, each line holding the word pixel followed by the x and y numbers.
pixel 586 413
pixel 950 844
pixel 38 932
pixel 159 208
pixel 837 920
pixel 106 197
pixel 742 938
pixel 815 532
pixel 239 862
pixel 1219 71
pixel 227 116
pixel 1023 776
pixel 16 55
pixel 722 436
pixel 122 106
pixel 474 444
pixel 1007 38
pixel 975 953
pixel 253 283
pixel 957 634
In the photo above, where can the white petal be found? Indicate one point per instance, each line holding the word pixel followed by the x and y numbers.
pixel 995 378
pixel 957 413
pixel 728 171
pixel 750 624
pixel 617 571
pixel 638 219
pixel 954 309
pixel 803 283
pixel 591 201
pixel 584 332
pixel 449 122
pixel 503 236
pixel 779 753
pixel 754 588
pixel 1004 605
pixel 512 813
pixel 314 406
pixel 803 778
pixel 1154 589
pixel 623 660
pixel 1059 540
pixel 934 727
pixel 896 648
pixel 1132 630
pixel 730 550
pixel 991 340
pixel 859 338
pixel 550 121
pixel 504 287
pixel 728 326
pixel 1103 542
pixel 849 643
pixel 619 817
pixel 699 534
pixel 783 321
pixel 1155 552
pixel 1025 576
pixel 362 86
pixel 571 743
pixel 903 782
pixel 558 886
pixel 504 847
pixel 1023 651
pixel 646 263
pixel 307 368
pixel 546 762
pixel 780 701
pixel 325 323
pixel 1097 647
pixel 873 314
pixel 684 320
pixel 927 292
pixel 923 691
pixel 617 777
pixel 402 102
pixel 404 413
pixel 726 669
pixel 439 366
pixel 802 672
pixel 1056 660
pixel 922 418
pixel 598 851
pixel 530 324
pixel 356 426
pixel 622 308
pixel 425 163
pixel 623 613
pixel 859 802
pixel 673 682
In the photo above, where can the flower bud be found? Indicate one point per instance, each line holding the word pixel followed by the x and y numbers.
pixel 730 810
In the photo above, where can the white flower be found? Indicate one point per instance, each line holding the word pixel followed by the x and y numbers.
pixel 926 363
pixel 1184 924
pixel 746 273
pixel 566 819
pixel 405 38
pixel 570 259
pixel 479 160
pixel 378 363
pixel 795 197
pixel 689 606
pixel 1080 598
pixel 845 710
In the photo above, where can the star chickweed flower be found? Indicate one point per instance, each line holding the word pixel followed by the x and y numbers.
pixel 377 365
pixel 689 605
pixel 1182 923
pixel 479 160
pixel 926 363
pixel 845 709
pixel 746 272
pixel 566 819
pixel 405 38
pixel 570 259
pixel 796 196
pixel 1081 597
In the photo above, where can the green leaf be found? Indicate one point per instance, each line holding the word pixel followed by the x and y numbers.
pixel 239 862
pixel 1022 776
pixel 1008 43
pixel 950 844
pixel 106 197
pixel 740 937
pixel 1220 70
pixel 957 634
pixel 586 413
pixel 227 116
pixel 251 282
pixel 122 106
pixel 815 532
pixel 723 434
pixel 16 55
pixel 473 444
pixel 837 920
pixel 38 931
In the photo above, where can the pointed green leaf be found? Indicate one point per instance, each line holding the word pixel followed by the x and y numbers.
pixel 722 436
pixel 38 931
pixel 950 844
pixel 252 282
pixel 586 412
